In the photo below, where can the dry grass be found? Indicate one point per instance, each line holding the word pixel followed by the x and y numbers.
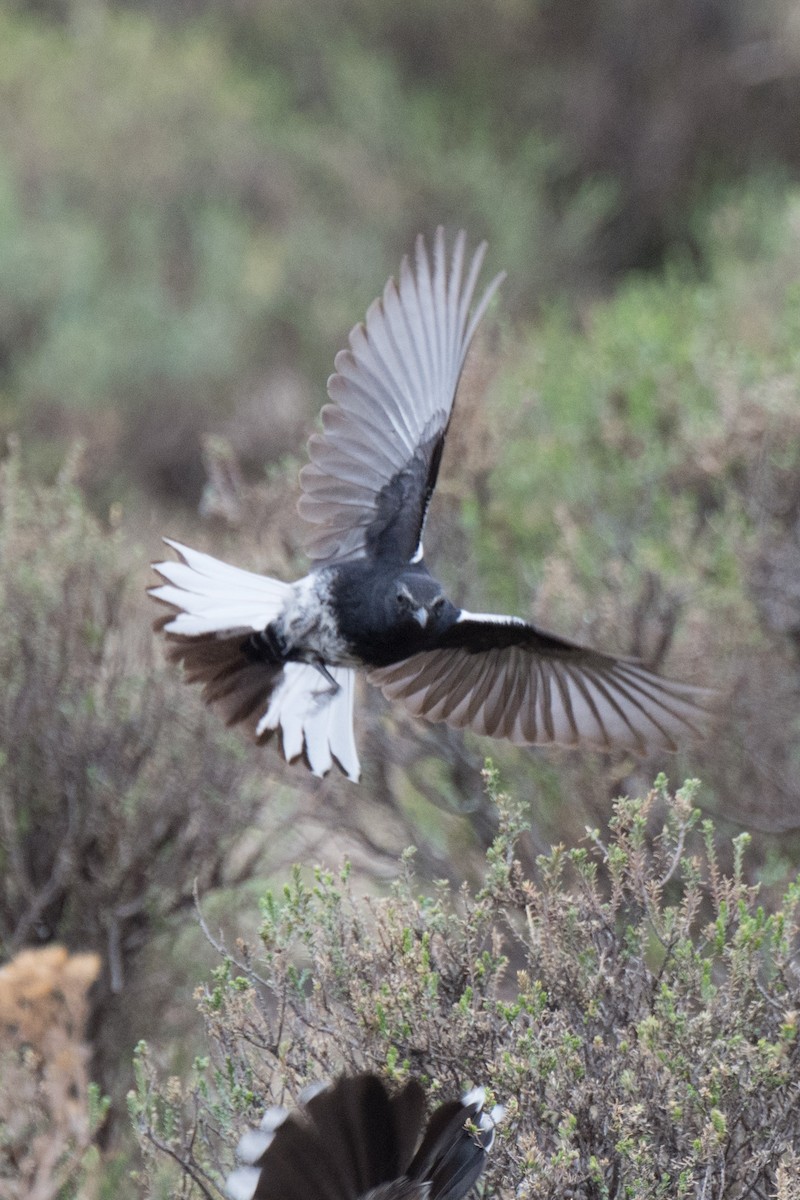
pixel 49 1112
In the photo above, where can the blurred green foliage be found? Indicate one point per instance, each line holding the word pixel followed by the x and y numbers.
pixel 616 428
pixel 175 223
pixel 196 197
pixel 111 810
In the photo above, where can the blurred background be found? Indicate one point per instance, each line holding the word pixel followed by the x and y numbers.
pixel 198 199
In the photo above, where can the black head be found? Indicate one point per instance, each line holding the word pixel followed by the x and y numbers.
pixel 418 604
pixel 386 613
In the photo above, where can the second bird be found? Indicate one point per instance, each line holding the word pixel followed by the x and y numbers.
pixel 282 656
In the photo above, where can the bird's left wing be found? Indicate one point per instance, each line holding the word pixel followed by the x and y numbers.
pixel 504 677
pixel 373 469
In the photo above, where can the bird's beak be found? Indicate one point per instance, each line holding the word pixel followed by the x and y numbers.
pixel 420 615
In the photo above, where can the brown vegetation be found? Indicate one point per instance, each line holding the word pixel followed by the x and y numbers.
pixel 49 1113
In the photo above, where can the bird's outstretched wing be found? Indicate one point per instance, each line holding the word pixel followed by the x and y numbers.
pixel 504 677
pixel 373 469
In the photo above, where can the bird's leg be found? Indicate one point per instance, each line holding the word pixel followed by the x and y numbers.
pixel 325 673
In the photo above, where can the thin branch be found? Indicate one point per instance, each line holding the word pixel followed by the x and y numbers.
pixel 185 1166
pixel 220 947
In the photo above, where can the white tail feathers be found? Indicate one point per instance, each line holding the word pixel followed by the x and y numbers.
pixel 313 718
pixel 215 606
pixel 213 597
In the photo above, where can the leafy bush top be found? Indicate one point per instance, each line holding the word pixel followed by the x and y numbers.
pixel 634 1007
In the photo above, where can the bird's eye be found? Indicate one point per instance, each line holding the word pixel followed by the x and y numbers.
pixel 402 599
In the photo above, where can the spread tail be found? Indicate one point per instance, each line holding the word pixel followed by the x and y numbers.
pixel 214 609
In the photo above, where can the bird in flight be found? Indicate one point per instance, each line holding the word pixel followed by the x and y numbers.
pixel 355 1141
pixel 283 657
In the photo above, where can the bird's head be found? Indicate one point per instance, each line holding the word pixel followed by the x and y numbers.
pixel 419 600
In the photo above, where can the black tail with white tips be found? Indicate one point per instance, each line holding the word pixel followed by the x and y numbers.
pixel 356 1141
pixel 457 1139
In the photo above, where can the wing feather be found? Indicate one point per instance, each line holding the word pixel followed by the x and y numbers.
pixel 372 470
pixel 509 679
pixel 356 1140
pixel 585 708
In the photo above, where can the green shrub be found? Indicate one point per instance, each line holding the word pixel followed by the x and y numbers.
pixel 176 232
pixel 634 1007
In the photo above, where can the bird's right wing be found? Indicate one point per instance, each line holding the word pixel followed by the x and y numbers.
pixel 373 469
pixel 503 677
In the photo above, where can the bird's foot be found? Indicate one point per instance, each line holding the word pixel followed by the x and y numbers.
pixel 333 687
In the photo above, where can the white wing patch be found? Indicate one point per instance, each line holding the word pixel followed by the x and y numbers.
pixel 490 618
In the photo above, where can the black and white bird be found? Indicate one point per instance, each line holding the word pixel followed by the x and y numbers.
pixel 283 656
pixel 355 1141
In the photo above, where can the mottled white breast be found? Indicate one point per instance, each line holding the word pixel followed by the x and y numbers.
pixel 308 625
